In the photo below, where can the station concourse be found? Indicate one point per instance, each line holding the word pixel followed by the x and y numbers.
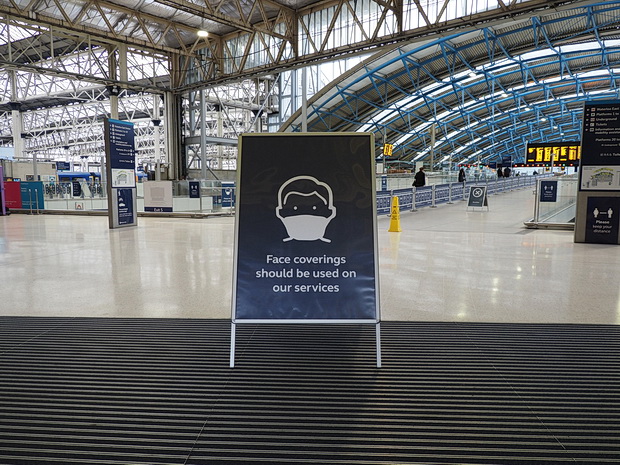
pixel 499 343
pixel 499 347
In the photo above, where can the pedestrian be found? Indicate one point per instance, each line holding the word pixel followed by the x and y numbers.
pixel 462 175
pixel 506 172
pixel 499 173
pixel 420 178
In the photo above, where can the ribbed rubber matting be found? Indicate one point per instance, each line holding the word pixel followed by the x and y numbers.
pixel 144 391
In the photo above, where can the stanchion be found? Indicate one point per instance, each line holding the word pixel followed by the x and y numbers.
pixel 395 216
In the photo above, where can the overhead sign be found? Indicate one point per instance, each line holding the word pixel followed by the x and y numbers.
pixel 563 153
pixel 387 150
pixel 477 197
pixel 63 165
pixel 548 191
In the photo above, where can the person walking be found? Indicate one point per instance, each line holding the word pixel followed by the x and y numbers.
pixel 462 177
pixel 420 178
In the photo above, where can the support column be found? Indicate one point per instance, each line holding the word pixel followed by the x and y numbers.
pixel 174 156
pixel 203 135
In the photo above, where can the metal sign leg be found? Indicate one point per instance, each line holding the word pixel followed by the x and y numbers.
pixel 378 337
pixel 233 328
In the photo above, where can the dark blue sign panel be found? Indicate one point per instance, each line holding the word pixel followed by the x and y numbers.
pixel 124 202
pixel 76 189
pixel 228 194
pixel 63 165
pixel 548 191
pixel 194 189
pixel 600 143
pixel 477 197
pixel 121 149
pixel 602 220
pixel 306 228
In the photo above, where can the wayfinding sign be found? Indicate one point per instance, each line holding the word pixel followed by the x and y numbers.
pixel 305 242
pixel 121 174
pixel 599 176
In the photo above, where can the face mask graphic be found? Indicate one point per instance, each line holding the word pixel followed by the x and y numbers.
pixel 305 207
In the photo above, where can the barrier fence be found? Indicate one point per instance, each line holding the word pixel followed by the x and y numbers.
pixel 221 199
pixel 431 196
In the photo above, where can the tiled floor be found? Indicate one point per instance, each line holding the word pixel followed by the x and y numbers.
pixel 447 264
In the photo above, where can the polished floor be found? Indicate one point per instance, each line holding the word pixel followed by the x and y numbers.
pixel 447 265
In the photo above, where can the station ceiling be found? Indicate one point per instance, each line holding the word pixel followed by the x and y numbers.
pixel 480 85
pixel 484 93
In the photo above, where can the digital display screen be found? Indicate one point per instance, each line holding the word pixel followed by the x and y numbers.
pixel 564 153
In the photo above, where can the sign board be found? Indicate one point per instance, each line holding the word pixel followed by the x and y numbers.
pixel 477 197
pixel 602 220
pixel 388 149
pixel 125 205
pixel 120 172
pixel 548 191
pixel 158 196
pixel 63 165
pixel 305 239
pixel 563 153
pixel 194 189
pixel 598 198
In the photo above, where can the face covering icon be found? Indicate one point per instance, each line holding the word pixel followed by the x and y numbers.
pixel 305 207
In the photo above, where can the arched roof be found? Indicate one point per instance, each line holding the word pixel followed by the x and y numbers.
pixel 486 92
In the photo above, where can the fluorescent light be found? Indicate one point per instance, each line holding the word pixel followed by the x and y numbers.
pixel 202 33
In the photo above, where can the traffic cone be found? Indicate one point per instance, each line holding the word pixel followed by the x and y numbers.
pixel 395 216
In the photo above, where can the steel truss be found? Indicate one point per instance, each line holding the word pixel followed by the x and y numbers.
pixel 54 52
pixel 486 94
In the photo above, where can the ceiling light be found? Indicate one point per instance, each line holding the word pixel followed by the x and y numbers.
pixel 202 33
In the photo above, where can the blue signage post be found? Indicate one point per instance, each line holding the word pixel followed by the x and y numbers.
pixel 121 173
pixel 306 241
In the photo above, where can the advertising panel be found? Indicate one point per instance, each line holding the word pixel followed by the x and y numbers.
pixel 13 194
pixel 32 195
pixel 306 229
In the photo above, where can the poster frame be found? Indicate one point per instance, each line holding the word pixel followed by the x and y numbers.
pixel 239 211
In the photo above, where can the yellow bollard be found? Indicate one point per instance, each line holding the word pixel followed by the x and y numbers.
pixel 395 216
